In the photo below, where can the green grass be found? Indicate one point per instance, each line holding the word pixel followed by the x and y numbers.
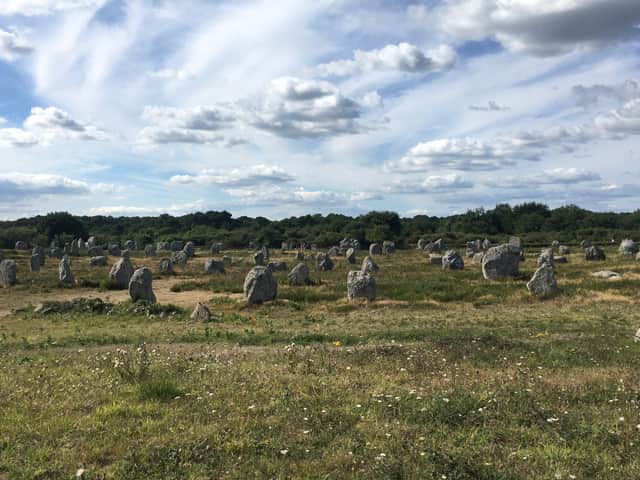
pixel 446 375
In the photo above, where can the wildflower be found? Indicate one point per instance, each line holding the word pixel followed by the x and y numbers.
pixel 338 343
pixel 284 452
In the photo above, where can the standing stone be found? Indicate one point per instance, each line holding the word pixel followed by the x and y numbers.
pixel 361 285
pixel 265 253
pixel 121 273
pixel 368 265
pixel 543 283
pixel 388 247
pixel 375 249
pixel 227 261
pixel 300 256
pixel 176 246
pixel 91 242
pixel 166 267
pixel 500 262
pixel 141 286
pixel 213 266
pixel 179 258
pixel 96 251
pixel 75 247
pixel 20 245
pixel 163 246
pixel 98 261
pixel 516 244
pixel 216 248
pixel 351 256
pixel 39 252
pixel 258 258
pixel 546 257
pixel 8 276
pixel 299 275
pixel 201 313
pixel 452 261
pixel 260 285
pixel 190 249
pixel 114 250
pixel 564 250
pixel 67 248
pixel 278 266
pixel 555 245
pixel 34 263
pixel 628 247
pixel 421 243
pixel 150 251
pixel 130 245
pixel 486 244
pixel 333 252
pixel 594 254
pixel 324 262
pixel 65 275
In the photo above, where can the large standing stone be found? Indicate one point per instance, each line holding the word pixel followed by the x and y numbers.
pixel 201 313
pixel 20 245
pixel 628 247
pixel 141 286
pixel 543 283
pixel 375 249
pixel 213 266
pixel 324 262
pixel 500 262
pixel 361 285
pixel 179 258
pixel 388 247
pixel 190 249
pixel 368 265
pixel 594 253
pixel 96 251
pixel 34 263
pixel 8 275
pixel 351 256
pixel 299 275
pixel 260 285
pixel 121 273
pixel 65 275
pixel 452 261
pixel 98 261
pixel 166 267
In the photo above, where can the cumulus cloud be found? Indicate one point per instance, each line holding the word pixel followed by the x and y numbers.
pixel 536 28
pixel 555 176
pixel 590 95
pixel 237 177
pixel 16 137
pixel 491 106
pixel 43 7
pixel 478 154
pixel 277 195
pixel 136 210
pixel 623 120
pixel 296 108
pixel 16 185
pixel 402 57
pixel 432 184
pixel 13 47
pixel 200 125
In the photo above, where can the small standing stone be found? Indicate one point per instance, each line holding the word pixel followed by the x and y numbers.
pixel 121 273
pixel 166 266
pixel 361 285
pixel 351 256
pixel 8 276
pixel 324 262
pixel 150 251
pixel 543 283
pixel 213 266
pixel 375 249
pixel 452 261
pixel 594 254
pixel 299 275
pixel 368 265
pixel 98 261
pixel 34 263
pixel 260 285
pixel 65 275
pixel 201 313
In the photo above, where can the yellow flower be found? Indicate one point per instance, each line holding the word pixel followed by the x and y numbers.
pixel 338 343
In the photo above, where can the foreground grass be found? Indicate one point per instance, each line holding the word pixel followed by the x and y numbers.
pixel 446 376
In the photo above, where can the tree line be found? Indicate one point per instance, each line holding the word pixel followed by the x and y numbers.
pixel 535 222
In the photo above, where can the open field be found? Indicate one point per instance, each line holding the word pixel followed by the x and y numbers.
pixel 446 375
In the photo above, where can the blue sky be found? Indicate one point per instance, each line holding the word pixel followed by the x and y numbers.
pixel 289 107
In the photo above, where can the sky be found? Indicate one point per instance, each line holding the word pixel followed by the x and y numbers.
pixel 282 108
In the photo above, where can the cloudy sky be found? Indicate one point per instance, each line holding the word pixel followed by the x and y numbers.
pixel 288 107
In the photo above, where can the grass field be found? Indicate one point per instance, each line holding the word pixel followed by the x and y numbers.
pixel 445 376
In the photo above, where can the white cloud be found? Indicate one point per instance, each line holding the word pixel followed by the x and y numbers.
pixel 624 120
pixel 43 7
pixel 13 46
pixel 23 185
pixel 16 137
pixel 552 177
pixel 402 57
pixel 535 27
pixel 432 184
pixel 590 95
pixel 237 177
pixel 276 195
pixel 296 108
pixel 171 74
pixel 491 106
pixel 365 196
pixel 136 210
